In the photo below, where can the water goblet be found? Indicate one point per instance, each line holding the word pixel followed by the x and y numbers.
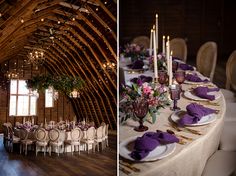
pixel 175 66
pixel 175 96
pixel 162 77
pixel 180 77
pixel 140 109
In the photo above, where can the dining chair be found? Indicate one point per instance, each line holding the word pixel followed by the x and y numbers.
pixel 55 137
pixel 206 59
pixel 89 139
pixel 99 137
pixel 41 140
pixel 13 139
pixel 142 41
pixel 76 135
pixel 179 48
pixel 121 76
pixel 6 135
pixel 106 135
pixel 230 79
pixel 24 140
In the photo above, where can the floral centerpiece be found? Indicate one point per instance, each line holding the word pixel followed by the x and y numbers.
pixel 161 62
pixel 155 95
pixel 134 51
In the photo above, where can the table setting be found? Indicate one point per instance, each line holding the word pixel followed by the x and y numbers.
pixel 169 114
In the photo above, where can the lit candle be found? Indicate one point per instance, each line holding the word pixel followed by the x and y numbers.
pixel 151 41
pixel 157 32
pixel 155 56
pixel 168 56
pixel 33 120
pixel 163 45
pixel 171 73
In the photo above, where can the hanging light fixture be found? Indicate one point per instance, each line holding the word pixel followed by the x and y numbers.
pixel 36 57
pixel 74 94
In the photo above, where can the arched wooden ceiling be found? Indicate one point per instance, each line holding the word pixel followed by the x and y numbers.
pixel 84 33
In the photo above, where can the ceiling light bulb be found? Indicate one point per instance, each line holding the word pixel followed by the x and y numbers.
pixel 96 9
pixel 0 14
pixel 105 2
pixel 73 19
pixel 58 22
pixel 22 20
pixel 42 19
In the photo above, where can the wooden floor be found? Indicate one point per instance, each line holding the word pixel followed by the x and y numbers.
pixel 93 164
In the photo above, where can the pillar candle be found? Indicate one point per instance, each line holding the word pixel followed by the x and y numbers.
pixel 171 73
pixel 157 32
pixel 163 44
pixel 151 41
pixel 155 56
pixel 167 57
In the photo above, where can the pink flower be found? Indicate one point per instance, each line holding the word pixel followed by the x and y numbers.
pixel 147 90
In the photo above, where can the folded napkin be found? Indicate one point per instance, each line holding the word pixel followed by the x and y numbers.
pixel 176 58
pixel 138 64
pixel 202 92
pixel 149 141
pixel 141 79
pixel 185 67
pixel 195 78
pixel 194 113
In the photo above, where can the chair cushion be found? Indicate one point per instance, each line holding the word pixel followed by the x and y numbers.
pixel 41 143
pixel 221 163
pixel 228 137
pixel 229 95
pixel 56 143
pixel 27 141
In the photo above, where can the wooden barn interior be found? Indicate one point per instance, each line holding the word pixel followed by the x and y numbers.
pixel 78 39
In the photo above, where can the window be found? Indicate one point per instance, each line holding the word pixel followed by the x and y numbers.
pixel 49 101
pixel 21 102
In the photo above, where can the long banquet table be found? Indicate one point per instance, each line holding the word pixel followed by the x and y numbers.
pixel 186 160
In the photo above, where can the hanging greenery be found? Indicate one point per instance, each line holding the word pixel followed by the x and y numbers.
pixel 61 83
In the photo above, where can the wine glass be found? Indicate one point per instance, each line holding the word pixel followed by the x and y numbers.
pixel 175 95
pixel 180 77
pixel 140 109
pixel 175 66
pixel 162 77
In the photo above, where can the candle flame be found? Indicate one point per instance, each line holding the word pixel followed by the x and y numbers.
pixel 153 27
pixel 168 37
pixel 164 37
pixel 171 53
pixel 156 15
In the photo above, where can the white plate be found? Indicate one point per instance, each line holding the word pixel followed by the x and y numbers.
pixel 204 120
pixel 191 96
pixel 161 151
pixel 194 83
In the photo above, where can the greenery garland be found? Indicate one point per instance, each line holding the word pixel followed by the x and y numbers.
pixel 61 83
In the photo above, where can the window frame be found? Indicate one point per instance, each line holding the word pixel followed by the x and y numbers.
pixel 17 94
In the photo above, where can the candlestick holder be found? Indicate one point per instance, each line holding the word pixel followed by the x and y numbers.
pixel 155 80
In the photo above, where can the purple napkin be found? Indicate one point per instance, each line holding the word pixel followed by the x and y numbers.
pixel 176 58
pixel 149 141
pixel 185 67
pixel 202 92
pixel 194 113
pixel 195 78
pixel 138 64
pixel 141 79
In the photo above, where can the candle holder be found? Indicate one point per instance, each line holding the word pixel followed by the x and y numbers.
pixel 155 80
pixel 175 96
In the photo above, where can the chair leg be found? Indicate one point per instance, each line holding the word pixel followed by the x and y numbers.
pixel 50 150
pixel 36 150
pixel 44 150
pixel 25 149
pixel 79 148
pixel 58 151
pixel 71 149
pixel 20 147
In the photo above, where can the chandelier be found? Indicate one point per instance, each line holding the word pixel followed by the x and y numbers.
pixel 36 57
pixel 74 94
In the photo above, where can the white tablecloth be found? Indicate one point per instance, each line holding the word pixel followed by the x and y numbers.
pixel 188 159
